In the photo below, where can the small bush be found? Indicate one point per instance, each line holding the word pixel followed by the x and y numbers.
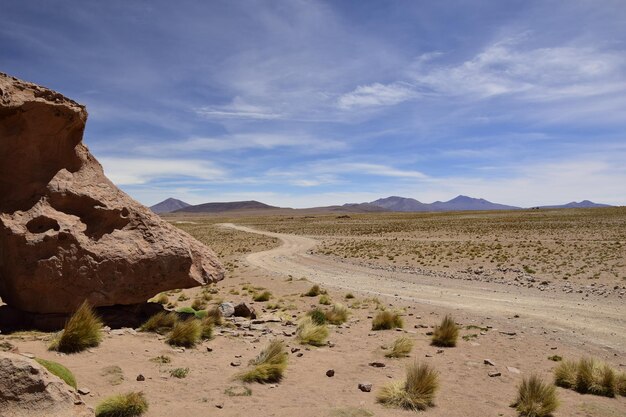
pixel 349 296
pixel 264 296
pixel 314 291
pixel 318 316
pixel 446 334
pixel 162 359
pixel 215 315
pixel 82 331
pixel 621 384
pixel 565 374
pixel 131 404
pixel 324 300
pixel 535 398
pixel 238 391
pixel 555 358
pixel 400 348
pixel 268 366
pixel 59 370
pixel 309 333
pixel 160 323
pixel 198 304
pixel 179 372
pixel 185 333
pixel 338 314
pixel 207 329
pixel 417 392
pixel 387 320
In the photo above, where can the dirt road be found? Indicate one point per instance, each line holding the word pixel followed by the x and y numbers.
pixel 597 321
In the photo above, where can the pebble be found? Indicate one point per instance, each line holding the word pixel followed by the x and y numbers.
pixel 83 390
pixel 141 377
pixel 494 374
pixel 489 362
pixel 513 370
pixel 235 363
pixel 330 373
pixel 377 364
pixel 365 386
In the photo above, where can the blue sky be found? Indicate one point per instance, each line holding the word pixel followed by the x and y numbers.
pixel 309 103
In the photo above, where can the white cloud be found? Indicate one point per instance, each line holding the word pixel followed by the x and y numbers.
pixel 134 171
pixel 238 109
pixel 376 95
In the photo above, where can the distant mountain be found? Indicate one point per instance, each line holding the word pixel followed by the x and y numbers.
pixel 169 205
pixel 460 203
pixel 222 207
pixel 582 204
pixel 355 208
pixel 465 203
pixel 395 203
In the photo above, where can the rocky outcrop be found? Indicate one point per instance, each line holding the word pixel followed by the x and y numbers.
pixel 27 389
pixel 67 233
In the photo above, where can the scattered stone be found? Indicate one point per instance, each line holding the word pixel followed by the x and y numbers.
pixel 300 354
pixel 219 405
pixel 365 386
pixel 489 362
pixel 429 355
pixel 227 309
pixel 295 349
pixel 244 310
pixel 513 370
pixel 28 355
pixel 83 390
pixel 508 332
pixel 377 364
pixel 440 350
pixel 209 349
pixel 330 373
pixel 141 378
pixel 235 363
pixel 493 374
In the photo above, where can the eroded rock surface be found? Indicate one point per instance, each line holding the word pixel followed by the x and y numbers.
pixel 28 389
pixel 67 233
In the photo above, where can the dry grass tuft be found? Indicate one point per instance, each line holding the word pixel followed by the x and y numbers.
pixel 207 329
pixel 565 374
pixel 198 304
pixel 131 404
pixel 268 366
pixel 314 291
pixel 338 314
pixel 185 333
pixel 588 376
pixel 417 392
pixel 621 384
pixel 82 331
pixel 309 333
pixel 215 315
pixel 160 323
pixel 400 348
pixel 446 334
pixel 325 300
pixel 264 296
pixel 387 320
pixel 535 398
pixel 318 316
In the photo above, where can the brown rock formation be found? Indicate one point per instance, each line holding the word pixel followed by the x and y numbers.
pixel 27 389
pixel 67 233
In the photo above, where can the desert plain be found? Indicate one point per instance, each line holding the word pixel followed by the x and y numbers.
pixel 524 287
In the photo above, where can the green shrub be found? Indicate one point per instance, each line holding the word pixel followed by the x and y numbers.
pixel 400 348
pixel 446 334
pixel 185 333
pixel 318 316
pixel 264 296
pixel 82 331
pixel 268 366
pixel 387 320
pixel 160 323
pixel 535 398
pixel 131 404
pixel 338 314
pixel 59 370
pixel 179 372
pixel 314 291
pixel 417 392
pixel 309 333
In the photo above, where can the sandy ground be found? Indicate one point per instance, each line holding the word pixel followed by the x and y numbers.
pixel 524 328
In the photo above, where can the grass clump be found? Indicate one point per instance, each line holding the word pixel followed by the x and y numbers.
pixel 325 300
pixel 179 372
pixel 535 398
pixel 162 359
pixel 215 315
pixel 198 304
pixel 160 323
pixel 264 296
pixel 400 348
pixel 387 320
pixel 417 392
pixel 588 376
pixel 199 314
pixel 310 333
pixel 131 404
pixel 318 316
pixel 268 366
pixel 621 384
pixel 314 291
pixel 349 296
pixel 207 329
pixel 59 370
pixel 185 333
pixel 238 391
pixel 555 358
pixel 338 314
pixel 446 334
pixel 82 331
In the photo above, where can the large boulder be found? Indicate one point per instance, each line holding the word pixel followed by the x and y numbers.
pixel 27 389
pixel 67 233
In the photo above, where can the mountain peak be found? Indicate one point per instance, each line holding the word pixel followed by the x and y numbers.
pixel 168 205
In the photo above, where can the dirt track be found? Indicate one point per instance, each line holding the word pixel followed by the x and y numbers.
pixel 596 321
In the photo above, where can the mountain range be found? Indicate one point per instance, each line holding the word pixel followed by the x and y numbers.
pixel 389 204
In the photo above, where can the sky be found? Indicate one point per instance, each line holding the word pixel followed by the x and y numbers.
pixel 310 103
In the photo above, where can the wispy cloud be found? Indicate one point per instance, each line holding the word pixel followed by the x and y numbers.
pixel 238 109
pixel 133 171
pixel 377 94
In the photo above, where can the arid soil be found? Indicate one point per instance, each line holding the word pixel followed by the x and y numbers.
pixel 516 327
